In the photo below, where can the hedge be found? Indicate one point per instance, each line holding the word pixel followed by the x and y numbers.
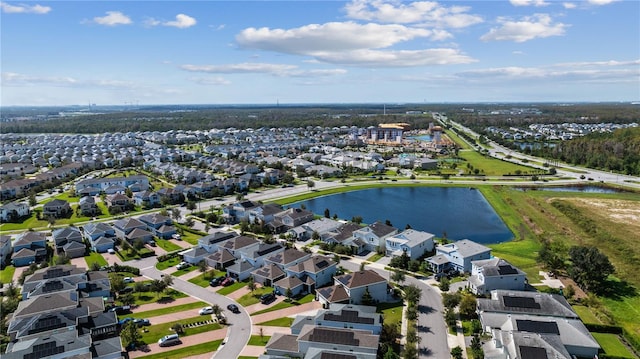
pixel 603 328
pixel 120 268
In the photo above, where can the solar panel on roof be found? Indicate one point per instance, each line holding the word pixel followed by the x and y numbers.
pixel 44 350
pixel 52 286
pixel 537 326
pixel 533 353
pixel 520 302
pixel 507 270
pixel 336 356
pixel 348 316
pixel 334 337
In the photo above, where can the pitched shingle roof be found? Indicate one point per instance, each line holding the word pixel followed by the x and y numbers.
pixel 360 278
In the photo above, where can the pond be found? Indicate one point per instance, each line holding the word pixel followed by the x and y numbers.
pixel 459 212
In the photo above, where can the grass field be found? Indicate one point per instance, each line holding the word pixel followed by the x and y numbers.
pixel 232 288
pixel 153 297
pixel 306 299
pixel 167 310
pixel 94 257
pixel 253 298
pixel 6 275
pixel 185 352
pixel 258 341
pixel 157 331
pixel 280 322
pixel 203 279
pixel 491 166
pixel 168 263
pixel 167 245
pixel 612 345
pixel 391 312
pixel 585 314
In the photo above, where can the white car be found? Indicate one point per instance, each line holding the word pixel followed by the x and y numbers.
pixel 111 251
pixel 182 265
pixel 128 280
pixel 206 310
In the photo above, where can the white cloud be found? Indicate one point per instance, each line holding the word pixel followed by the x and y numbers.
pixel 517 52
pixel 529 28
pixel 182 21
pixel 24 9
pixel 281 70
pixel 569 5
pixel 429 13
pixel 536 3
pixel 17 79
pixel 352 44
pixel 113 18
pixel 600 2
pixel 216 81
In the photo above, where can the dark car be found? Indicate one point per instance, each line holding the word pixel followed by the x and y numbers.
pixel 216 281
pixel 125 320
pixel 121 309
pixel 267 298
pixel 126 290
pixel 141 322
pixel 233 308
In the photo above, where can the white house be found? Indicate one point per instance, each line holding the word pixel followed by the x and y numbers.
pixel 12 211
pixel 457 256
pixel 5 249
pixel 374 235
pixel 354 286
pixel 412 242
pixel 495 273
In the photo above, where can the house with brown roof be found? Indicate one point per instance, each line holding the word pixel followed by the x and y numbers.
pixel 56 208
pixel 355 285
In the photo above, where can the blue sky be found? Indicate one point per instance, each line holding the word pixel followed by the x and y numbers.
pixel 365 51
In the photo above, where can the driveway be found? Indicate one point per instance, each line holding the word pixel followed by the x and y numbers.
pixel 79 262
pixel 186 341
pixel 239 324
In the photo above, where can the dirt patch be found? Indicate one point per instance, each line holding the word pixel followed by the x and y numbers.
pixel 534 227
pixel 617 211
pixel 566 281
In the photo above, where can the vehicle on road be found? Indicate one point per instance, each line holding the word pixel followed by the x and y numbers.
pixel 182 265
pixel 227 282
pixel 267 298
pixel 206 311
pixel 233 308
pixel 141 322
pixel 216 281
pixel 167 340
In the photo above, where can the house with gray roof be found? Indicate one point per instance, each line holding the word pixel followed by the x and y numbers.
pixel 354 285
pixel 412 242
pixel 220 259
pixel 124 226
pixel 293 217
pixel 320 226
pixel 457 256
pixel 212 242
pixel 56 208
pixel 5 250
pixel 374 235
pixel 29 247
pixel 87 206
pixel 526 302
pixel 315 272
pixel 268 274
pixel 69 240
pixel 361 317
pixel 287 258
pixel 495 273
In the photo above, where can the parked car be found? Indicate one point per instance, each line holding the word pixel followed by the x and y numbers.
pixel 206 311
pixel 141 322
pixel 233 308
pixel 182 265
pixel 128 280
pixel 216 281
pixel 111 251
pixel 267 298
pixel 227 282
pixel 125 320
pixel 152 243
pixel 121 309
pixel 167 340
pixel 125 290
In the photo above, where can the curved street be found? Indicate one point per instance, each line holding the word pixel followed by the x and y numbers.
pixel 239 325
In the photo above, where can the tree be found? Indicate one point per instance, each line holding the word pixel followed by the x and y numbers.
pixel 191 205
pixel 412 293
pixel 216 310
pixel 476 326
pixel 367 299
pixel 388 223
pixel 252 284
pixel 310 184
pixel 62 259
pixel 410 352
pixel 444 284
pixel 468 305
pixel 178 328
pixel 456 353
pixel 288 293
pixel 412 335
pixel 398 276
pixel 167 280
pixel 188 222
pixel 32 199
pixel 390 354
pixel 327 213
pixel 138 244
pixel 412 312
pixel 95 266
pixel 476 347
pixel 569 292
pixel 127 299
pixel 356 219
pixel 589 267
pixel 451 300
pixel 176 214
pixel 202 266
pixel 362 266
pixel 117 282
pixel 130 335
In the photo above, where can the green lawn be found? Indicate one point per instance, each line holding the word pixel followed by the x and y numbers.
pixel 256 340
pixel 375 257
pixel 184 352
pixel 391 312
pixel 253 298
pixel 153 297
pixel 184 271
pixel 612 345
pixel 203 279
pixel 167 245
pixel 168 263
pixel 306 299
pixel 280 322
pixel 166 310
pixel 94 257
pixel 585 314
pixel 492 166
pixel 6 275
pixel 158 331
pixel 232 288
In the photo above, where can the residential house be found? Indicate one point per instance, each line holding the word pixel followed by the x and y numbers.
pixel 265 213
pixel 268 274
pixel 13 211
pixel 238 211
pixel 68 240
pixel 457 256
pixel 29 247
pixel 97 185
pixel 220 259
pixel 374 235
pixel 350 288
pixel 159 225
pixel 194 255
pixel 124 226
pixel 293 217
pixel 360 317
pixel 101 236
pixel 212 242
pixel 146 199
pixel 5 250
pixel 412 242
pixel 318 227
pixel 313 273
pixel 118 202
pixel 56 208
pixel 87 206
pixel 287 258
pixel 495 273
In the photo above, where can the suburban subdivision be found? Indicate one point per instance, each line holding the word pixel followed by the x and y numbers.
pixel 435 239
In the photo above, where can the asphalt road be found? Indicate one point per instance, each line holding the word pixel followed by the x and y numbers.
pixel 239 324
pixel 431 326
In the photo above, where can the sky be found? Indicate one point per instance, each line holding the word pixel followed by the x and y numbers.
pixel 289 52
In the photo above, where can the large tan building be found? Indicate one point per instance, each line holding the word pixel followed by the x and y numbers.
pixel 386 133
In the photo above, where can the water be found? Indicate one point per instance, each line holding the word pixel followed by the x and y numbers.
pixel 586 189
pixel 426 138
pixel 460 212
